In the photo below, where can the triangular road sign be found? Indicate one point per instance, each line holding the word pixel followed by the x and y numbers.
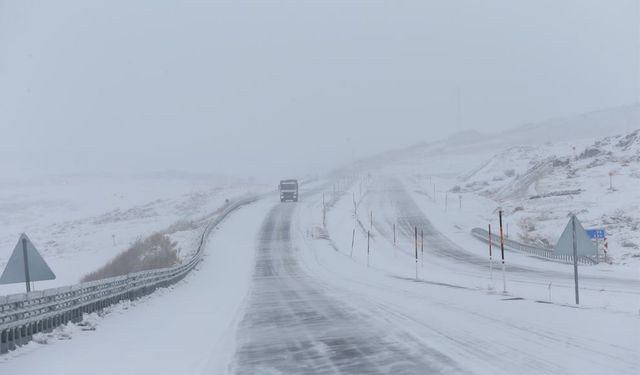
pixel 15 270
pixel 565 244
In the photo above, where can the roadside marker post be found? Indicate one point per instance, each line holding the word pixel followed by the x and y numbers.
pixel 324 212
pixel 394 234
pixel 355 206
pixel 368 246
pixel 416 241
pixel 611 180
pixel 490 257
pixel 575 258
pixel 422 245
pixel 371 222
pixel 353 240
pixel 446 200
pixel 504 276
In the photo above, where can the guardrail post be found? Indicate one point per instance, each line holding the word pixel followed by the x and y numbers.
pixel 4 341
pixel 11 344
pixel 18 336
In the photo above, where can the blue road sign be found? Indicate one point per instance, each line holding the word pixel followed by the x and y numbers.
pixel 596 234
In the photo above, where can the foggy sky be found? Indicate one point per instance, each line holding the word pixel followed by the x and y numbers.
pixel 281 88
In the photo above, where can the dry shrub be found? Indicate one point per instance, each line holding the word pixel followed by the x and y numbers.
pixel 156 251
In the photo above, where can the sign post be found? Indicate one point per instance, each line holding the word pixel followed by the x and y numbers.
pixel 597 235
pixel 575 242
pixel 27 279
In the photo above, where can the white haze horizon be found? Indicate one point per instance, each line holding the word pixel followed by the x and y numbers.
pixel 288 88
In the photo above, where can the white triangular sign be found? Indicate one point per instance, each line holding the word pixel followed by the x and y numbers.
pixel 565 243
pixel 15 270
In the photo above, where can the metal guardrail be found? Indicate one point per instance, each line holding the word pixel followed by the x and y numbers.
pixel 23 315
pixel 483 235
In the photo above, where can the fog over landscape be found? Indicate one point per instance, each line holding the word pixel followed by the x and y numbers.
pixel 254 88
pixel 320 187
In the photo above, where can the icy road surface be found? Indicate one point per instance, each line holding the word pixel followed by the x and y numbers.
pixel 294 326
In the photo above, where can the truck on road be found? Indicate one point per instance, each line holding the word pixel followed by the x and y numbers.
pixel 288 190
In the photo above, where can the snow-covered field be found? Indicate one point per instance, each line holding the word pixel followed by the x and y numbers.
pixel 79 223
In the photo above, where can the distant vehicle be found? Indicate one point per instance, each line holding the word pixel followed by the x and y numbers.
pixel 288 190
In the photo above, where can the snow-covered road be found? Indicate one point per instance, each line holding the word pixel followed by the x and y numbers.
pixel 293 325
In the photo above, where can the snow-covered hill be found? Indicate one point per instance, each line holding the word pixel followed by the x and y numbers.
pixel 79 223
pixel 540 186
pixel 540 174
